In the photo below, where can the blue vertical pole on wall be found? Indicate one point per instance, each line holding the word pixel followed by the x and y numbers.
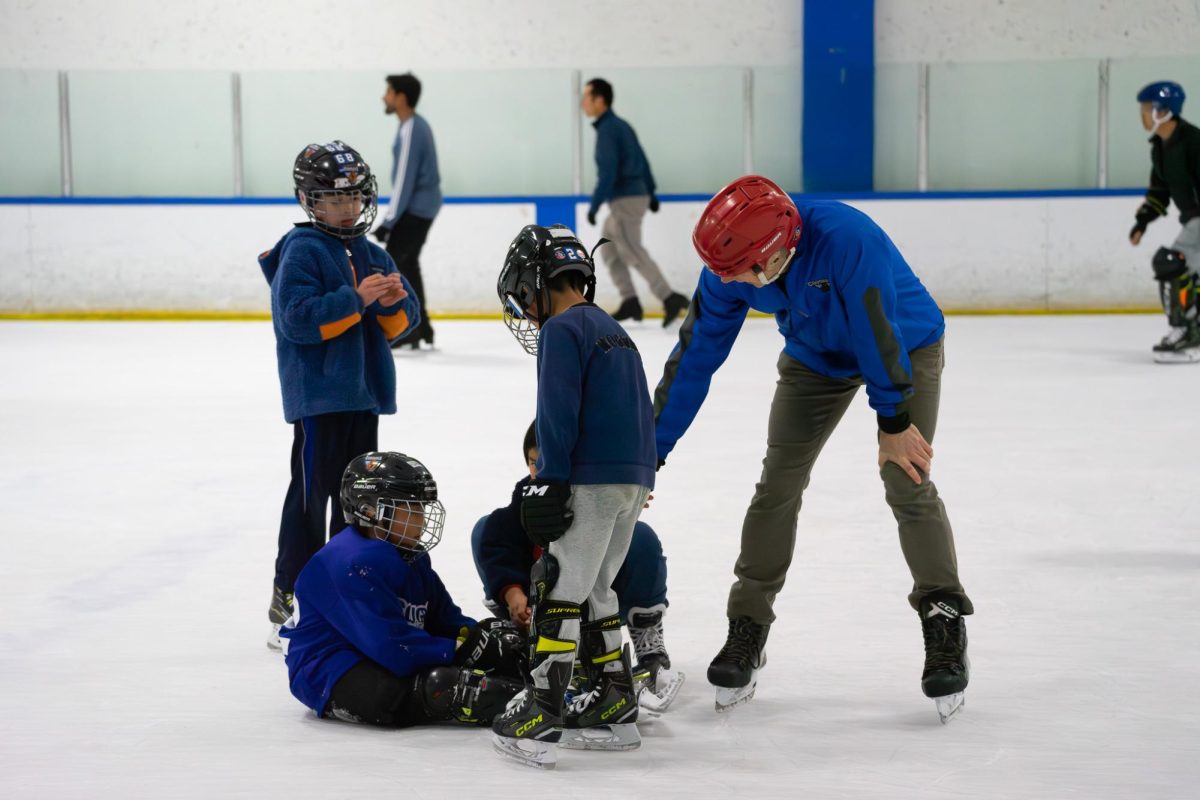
pixel 839 95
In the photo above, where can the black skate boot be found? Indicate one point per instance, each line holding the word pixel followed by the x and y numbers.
pixel 734 671
pixel 278 613
pixel 1180 346
pixel 531 726
pixel 653 679
pixel 947 669
pixel 630 308
pixel 603 719
pixel 673 305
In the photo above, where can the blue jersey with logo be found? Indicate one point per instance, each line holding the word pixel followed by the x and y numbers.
pixel 359 598
pixel 848 306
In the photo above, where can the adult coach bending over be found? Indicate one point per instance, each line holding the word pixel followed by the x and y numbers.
pixel 851 311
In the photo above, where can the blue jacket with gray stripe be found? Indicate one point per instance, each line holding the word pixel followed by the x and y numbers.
pixel 848 306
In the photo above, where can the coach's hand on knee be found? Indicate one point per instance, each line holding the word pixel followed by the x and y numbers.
pixel 907 450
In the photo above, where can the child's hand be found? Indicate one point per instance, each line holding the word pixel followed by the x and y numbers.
pixel 372 288
pixel 395 292
pixel 518 606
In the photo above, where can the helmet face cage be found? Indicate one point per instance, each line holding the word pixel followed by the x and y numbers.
pixel 366 193
pixel 520 325
pixel 413 527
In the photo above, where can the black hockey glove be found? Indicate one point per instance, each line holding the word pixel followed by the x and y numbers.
pixel 591 216
pixel 494 645
pixel 381 234
pixel 653 204
pixel 1144 216
pixel 544 513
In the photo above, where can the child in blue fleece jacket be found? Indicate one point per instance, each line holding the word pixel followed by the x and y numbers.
pixel 336 300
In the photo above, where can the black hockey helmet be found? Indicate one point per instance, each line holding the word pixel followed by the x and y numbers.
pixel 395 496
pixel 536 255
pixel 336 189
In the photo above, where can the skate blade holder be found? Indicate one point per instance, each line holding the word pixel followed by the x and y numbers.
pixel 949 705
pixel 530 752
pixel 655 703
pixel 1189 356
pixel 731 698
pixel 621 736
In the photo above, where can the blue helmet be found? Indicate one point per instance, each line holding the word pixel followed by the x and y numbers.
pixel 1164 95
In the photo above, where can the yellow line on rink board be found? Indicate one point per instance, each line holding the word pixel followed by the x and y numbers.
pixel 117 315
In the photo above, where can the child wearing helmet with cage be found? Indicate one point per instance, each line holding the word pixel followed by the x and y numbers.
pixel 595 469
pixel 1174 177
pixel 336 301
pixel 374 637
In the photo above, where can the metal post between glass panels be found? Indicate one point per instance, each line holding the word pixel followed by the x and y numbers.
pixel 576 134
pixel 748 121
pixel 922 127
pixel 64 133
pixel 239 183
pixel 1102 129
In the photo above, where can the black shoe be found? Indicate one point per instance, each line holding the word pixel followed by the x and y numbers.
pixel 629 309
pixel 946 669
pixel 674 305
pixel 744 653
pixel 281 606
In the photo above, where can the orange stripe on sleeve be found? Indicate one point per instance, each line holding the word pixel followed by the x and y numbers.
pixel 332 329
pixel 394 325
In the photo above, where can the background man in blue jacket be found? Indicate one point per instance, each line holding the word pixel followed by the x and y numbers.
pixel 374 636
pixel 851 312
pixel 624 181
pixel 416 194
pixel 336 300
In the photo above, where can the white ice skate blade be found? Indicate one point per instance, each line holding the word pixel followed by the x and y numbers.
pixel 669 682
pixel 730 698
pixel 273 640
pixel 624 736
pixel 530 752
pixel 1189 356
pixel 949 705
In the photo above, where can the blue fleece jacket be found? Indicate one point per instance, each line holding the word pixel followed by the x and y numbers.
pixel 848 306
pixel 333 353
pixel 622 169
pixel 595 424
pixel 358 598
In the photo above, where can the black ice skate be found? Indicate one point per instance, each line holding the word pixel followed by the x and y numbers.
pixel 947 669
pixel 603 719
pixel 279 612
pixel 1180 346
pixel 734 671
pixel 629 309
pixel 655 683
pixel 531 724
pixel 673 305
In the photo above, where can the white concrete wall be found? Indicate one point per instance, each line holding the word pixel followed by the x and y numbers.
pixel 912 31
pixel 396 34
pixel 1052 253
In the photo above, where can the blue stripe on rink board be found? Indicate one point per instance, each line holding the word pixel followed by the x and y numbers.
pixel 556 202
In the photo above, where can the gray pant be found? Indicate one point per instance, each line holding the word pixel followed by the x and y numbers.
pixel 806 409
pixel 624 227
pixel 589 556
pixel 1188 243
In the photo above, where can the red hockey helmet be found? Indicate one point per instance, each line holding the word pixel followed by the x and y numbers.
pixel 744 224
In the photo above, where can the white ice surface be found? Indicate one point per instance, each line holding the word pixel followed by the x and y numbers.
pixel 144 465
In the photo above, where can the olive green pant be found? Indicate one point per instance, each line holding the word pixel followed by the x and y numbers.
pixel 806 408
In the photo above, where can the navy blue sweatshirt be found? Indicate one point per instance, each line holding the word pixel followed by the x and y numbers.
pixel 595 422
pixel 621 166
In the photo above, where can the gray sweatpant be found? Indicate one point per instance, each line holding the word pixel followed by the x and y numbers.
pixel 806 409
pixel 1188 243
pixel 624 227
pixel 590 554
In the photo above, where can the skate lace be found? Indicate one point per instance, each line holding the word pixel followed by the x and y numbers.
pixel 514 704
pixel 744 644
pixel 583 702
pixel 647 640
pixel 943 648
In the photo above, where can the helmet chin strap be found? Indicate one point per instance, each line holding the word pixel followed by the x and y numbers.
pixel 759 272
pixel 1157 120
